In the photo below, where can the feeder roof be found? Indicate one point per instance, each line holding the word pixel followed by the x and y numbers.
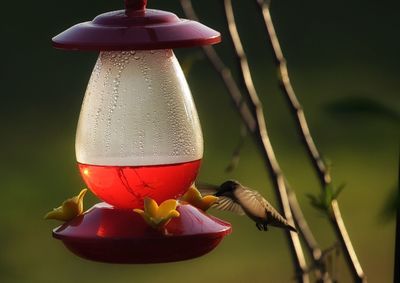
pixel 131 29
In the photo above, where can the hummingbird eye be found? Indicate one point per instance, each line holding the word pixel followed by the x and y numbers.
pixel 228 186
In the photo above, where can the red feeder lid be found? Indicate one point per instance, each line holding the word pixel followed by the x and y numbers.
pixel 136 28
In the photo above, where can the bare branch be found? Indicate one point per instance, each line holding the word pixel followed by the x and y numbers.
pixel 264 143
pixel 234 162
pixel 317 255
pixel 224 73
pixel 313 153
pixel 250 123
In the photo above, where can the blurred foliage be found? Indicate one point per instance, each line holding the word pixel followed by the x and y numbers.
pixel 325 198
pixel 360 105
pixel 391 206
pixel 335 51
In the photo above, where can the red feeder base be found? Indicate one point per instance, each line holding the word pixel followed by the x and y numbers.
pixel 108 234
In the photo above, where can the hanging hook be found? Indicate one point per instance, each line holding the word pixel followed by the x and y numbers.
pixel 135 5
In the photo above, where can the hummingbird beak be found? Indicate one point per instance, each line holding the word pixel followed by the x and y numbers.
pixel 218 194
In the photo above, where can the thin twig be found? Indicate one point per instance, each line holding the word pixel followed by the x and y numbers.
pixel 250 123
pixel 264 142
pixel 318 264
pixel 313 153
pixel 224 72
pixel 235 158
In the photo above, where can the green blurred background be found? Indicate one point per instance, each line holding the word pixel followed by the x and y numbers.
pixel 343 59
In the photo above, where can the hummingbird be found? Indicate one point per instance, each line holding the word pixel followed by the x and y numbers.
pixel 234 197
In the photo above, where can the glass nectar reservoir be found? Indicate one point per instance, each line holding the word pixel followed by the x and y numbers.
pixel 138 133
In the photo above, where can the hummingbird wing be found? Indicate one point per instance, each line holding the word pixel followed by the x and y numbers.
pixel 227 204
pixel 206 189
pixel 223 203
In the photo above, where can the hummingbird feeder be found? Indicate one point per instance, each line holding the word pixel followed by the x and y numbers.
pixel 138 137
